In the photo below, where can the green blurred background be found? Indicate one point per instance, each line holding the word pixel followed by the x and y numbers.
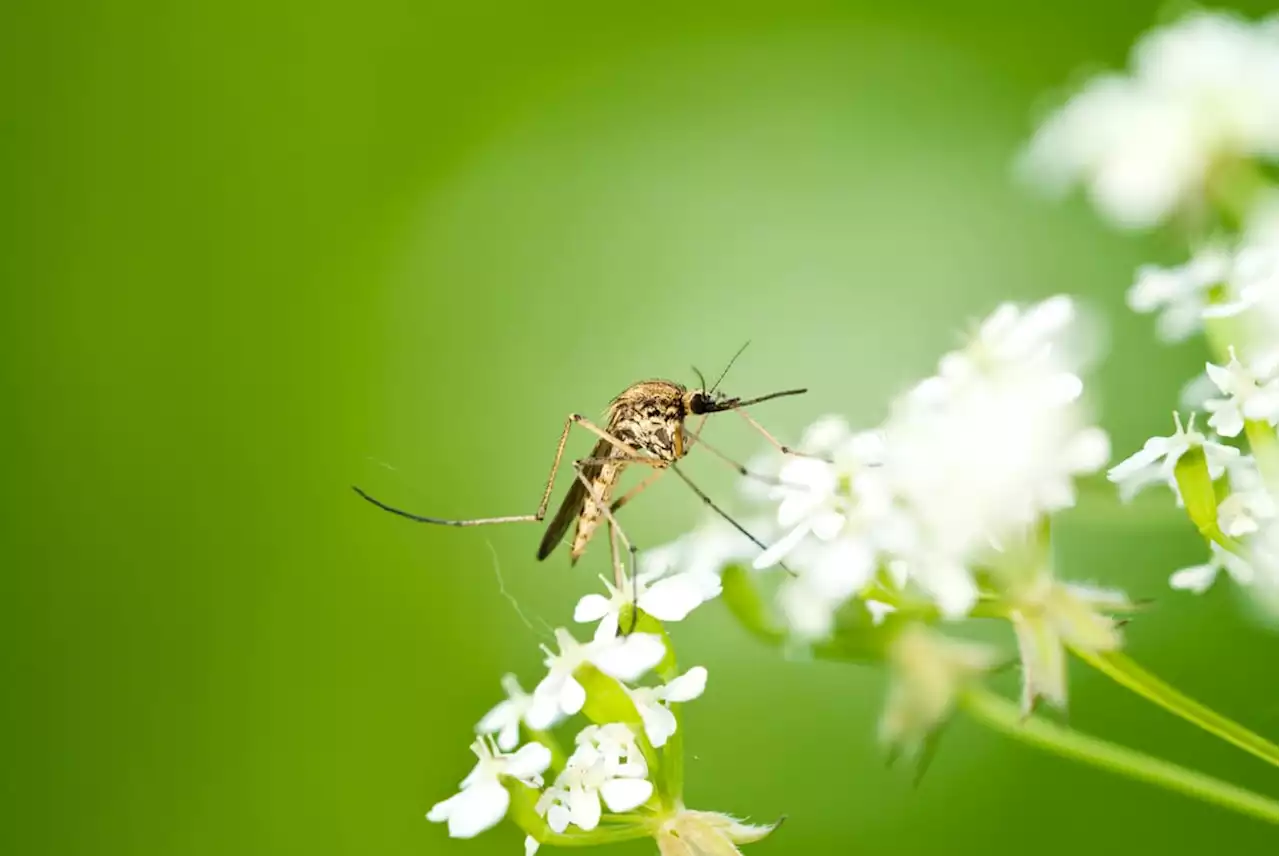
pixel 254 252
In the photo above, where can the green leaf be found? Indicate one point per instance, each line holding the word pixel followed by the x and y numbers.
pixel 607 700
pixel 1196 487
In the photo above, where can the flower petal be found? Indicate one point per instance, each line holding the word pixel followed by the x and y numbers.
pixel 477 808
pixel 659 723
pixel 779 549
pixel 530 760
pixel 558 817
pixel 497 718
pixel 1196 578
pixel 509 736
pixel 584 808
pixel 572 696
pixel 630 657
pixel 593 607
pixel 687 687
pixel 673 598
pixel 626 794
pixel 544 712
pixel 530 845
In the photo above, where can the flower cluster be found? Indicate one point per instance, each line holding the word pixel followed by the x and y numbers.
pixel 969 461
pixel 1200 97
pixel 939 509
pixel 623 779
pixel 1187 132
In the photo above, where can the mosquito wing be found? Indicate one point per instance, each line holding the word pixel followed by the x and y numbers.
pixel 574 501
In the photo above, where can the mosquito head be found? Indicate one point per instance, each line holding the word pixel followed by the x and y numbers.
pixel 700 401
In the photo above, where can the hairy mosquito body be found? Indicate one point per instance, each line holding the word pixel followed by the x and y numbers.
pixel 644 426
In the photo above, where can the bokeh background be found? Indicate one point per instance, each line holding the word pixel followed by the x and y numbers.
pixel 252 253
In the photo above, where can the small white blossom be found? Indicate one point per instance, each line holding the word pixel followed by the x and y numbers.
pixel 652 703
pixel 1251 393
pixel 1250 504
pixel 705 833
pixel 1156 461
pixel 559 694
pixel 1202 91
pixel 1047 616
pixel 606 766
pixel 482 800
pixel 1180 295
pixel 1198 578
pixel 504 719
pixel 929 673
pixel 977 453
pixel 829 499
pixel 665 598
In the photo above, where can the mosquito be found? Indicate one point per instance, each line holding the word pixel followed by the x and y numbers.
pixel 645 426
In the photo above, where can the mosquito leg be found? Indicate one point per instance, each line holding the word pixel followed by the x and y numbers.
pixel 614 558
pixel 605 510
pixel 710 503
pixel 633 456
pixel 622 446
pixel 635 491
pixel 786 450
pixel 743 471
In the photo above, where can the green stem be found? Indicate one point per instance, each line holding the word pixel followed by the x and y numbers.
pixel 1006 717
pixel 1130 675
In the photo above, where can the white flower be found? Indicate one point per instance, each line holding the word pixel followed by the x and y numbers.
pixel 1134 152
pixel 705 833
pixel 1041 338
pixel 607 765
pixel 666 599
pixel 652 703
pixel 705 552
pixel 1048 616
pixel 504 718
pixel 1156 461
pixel 559 694
pixel 1252 393
pixel 482 799
pixel 1180 294
pixel 982 450
pixel 1250 504
pixel 1202 91
pixel 929 672
pixel 1198 578
pixel 1224 70
pixel 821 499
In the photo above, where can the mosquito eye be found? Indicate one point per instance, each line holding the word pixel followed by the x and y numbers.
pixel 697 404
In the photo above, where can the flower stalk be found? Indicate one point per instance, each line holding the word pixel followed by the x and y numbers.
pixel 1006 717
pixel 1128 674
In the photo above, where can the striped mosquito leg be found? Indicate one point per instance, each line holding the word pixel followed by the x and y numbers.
pixel 646 482
pixel 541 513
pixel 786 450
pixel 743 471
pixel 613 522
pixel 710 503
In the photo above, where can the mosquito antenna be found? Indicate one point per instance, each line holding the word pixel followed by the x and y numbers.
pixel 710 503
pixel 734 405
pixel 701 380
pixel 732 360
